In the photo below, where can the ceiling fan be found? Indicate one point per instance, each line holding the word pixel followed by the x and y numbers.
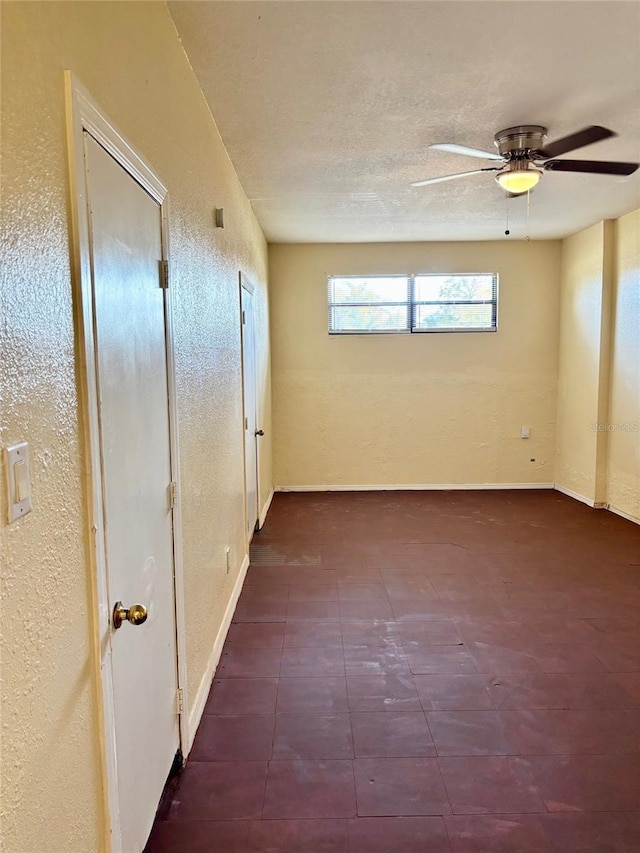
pixel 523 157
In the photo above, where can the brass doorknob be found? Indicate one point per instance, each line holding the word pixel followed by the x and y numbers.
pixel 136 614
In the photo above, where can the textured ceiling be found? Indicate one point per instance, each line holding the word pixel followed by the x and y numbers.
pixel 327 109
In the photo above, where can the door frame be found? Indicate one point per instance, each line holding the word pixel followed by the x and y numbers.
pixel 245 283
pixel 83 114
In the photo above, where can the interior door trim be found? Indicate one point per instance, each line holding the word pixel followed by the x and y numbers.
pixel 248 285
pixel 84 115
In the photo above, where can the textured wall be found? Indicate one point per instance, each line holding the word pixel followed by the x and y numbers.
pixel 129 57
pixel 414 409
pixel 598 437
pixel 623 487
pixel 579 365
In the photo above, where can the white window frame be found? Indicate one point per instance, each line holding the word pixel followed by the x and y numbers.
pixel 411 304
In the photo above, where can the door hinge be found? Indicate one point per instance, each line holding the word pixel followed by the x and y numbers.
pixel 244 318
pixel 173 495
pixel 180 700
pixel 246 423
pixel 164 274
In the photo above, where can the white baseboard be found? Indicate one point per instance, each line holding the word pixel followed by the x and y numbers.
pixel 405 487
pixel 575 495
pixel 265 509
pixel 196 712
pixel 623 514
pixel 597 504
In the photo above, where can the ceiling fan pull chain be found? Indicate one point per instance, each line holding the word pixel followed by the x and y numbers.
pixel 527 238
pixel 507 232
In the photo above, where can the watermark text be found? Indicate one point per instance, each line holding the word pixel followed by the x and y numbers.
pixel 621 426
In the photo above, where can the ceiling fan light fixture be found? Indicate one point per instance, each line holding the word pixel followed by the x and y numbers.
pixel 518 177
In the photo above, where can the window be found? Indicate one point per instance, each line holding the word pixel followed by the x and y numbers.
pixel 461 302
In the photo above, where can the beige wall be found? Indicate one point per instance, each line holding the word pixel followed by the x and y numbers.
pixel 414 409
pixel 130 59
pixel 598 443
pixel 623 446
pixel 583 309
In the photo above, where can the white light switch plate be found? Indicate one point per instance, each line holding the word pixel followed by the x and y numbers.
pixel 18 480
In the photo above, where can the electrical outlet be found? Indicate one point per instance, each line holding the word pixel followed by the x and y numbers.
pixel 227 552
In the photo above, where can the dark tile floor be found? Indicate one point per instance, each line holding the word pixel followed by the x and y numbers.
pixel 411 671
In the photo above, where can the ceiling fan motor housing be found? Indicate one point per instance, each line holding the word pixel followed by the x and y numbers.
pixel 521 142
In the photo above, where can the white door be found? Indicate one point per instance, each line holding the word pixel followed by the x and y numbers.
pixel 251 431
pixel 130 346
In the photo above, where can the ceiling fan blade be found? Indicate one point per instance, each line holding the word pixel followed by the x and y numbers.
pixel 586 136
pixel 462 149
pixel 452 177
pixel 596 167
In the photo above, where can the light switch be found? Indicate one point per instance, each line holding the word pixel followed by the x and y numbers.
pixel 21 480
pixel 525 432
pixel 18 481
